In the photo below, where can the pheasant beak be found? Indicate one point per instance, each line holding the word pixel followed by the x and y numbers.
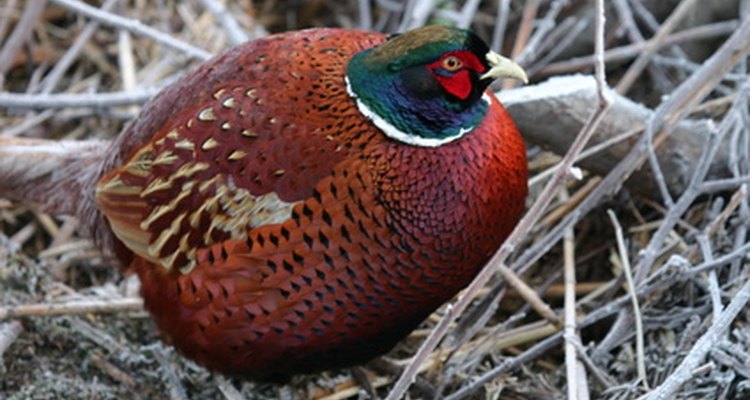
pixel 501 67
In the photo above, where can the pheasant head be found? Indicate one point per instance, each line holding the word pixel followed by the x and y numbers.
pixel 426 87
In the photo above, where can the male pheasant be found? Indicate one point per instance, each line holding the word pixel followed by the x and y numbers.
pixel 303 201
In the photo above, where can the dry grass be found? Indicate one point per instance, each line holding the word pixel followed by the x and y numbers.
pixel 71 325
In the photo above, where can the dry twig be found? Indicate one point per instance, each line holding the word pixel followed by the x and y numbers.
pixel 74 307
pixel 135 27
pixel 578 387
pixel 625 260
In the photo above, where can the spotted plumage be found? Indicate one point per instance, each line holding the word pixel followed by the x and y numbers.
pixel 279 228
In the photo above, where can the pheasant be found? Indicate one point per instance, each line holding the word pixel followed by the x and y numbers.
pixel 303 201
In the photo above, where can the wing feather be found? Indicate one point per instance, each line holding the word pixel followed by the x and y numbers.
pixel 234 154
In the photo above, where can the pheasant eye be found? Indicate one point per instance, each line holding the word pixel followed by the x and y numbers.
pixel 452 63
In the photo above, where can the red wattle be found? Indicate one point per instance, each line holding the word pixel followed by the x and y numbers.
pixel 457 84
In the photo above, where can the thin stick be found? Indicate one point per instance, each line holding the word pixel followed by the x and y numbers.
pixel 468 11
pixel 713 281
pixel 533 352
pixel 68 247
pixel 528 294
pixel 625 260
pixel 734 202
pixel 6 16
pixel 73 307
pixel 97 100
pixel 570 202
pixel 530 10
pixel 720 185
pixel 633 50
pixel 543 26
pixel 126 62
pixel 632 74
pixel 698 352
pixel 600 375
pixel 20 35
pixel 111 370
pixel 365 14
pixel 134 26
pixel 645 57
pixel 62 65
pixel 354 389
pixel 660 77
pixel 28 123
pixel 101 338
pixel 736 254
pixel 557 42
pixel 571 363
pixel 690 67
pixel 574 371
pixel 523 227
pixel 501 22
pixel 234 32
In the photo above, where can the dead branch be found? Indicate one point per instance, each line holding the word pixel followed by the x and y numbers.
pixel 575 373
pixel 135 27
pixel 73 307
pixel 19 36
pixel 551 114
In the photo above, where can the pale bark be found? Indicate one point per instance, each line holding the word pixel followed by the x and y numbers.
pixel 551 114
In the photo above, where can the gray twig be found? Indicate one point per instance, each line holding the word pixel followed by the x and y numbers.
pixel 644 58
pixel 134 26
pixel 21 33
pixel 622 249
pixel 96 100
pixel 626 52
pixel 501 22
pixel 235 33
pixel 578 387
pixel 62 65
